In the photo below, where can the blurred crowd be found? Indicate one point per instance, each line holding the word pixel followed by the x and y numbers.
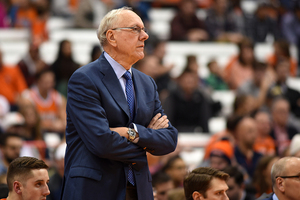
pixel 265 121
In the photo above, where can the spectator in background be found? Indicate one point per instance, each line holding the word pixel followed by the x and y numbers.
pixel 282 52
pixel 32 126
pixel 12 83
pixel 281 89
pixel 193 66
pixel 186 26
pixel 236 185
pixel 221 23
pixel 90 12
pixel 176 194
pixel 64 8
pixel 50 104
pixel 290 26
pixel 262 181
pixel 264 143
pixel 10 146
pixel 258 86
pixel 4 22
pixel 244 105
pixel 33 16
pixel 13 122
pixel 56 179
pixel 151 66
pixel 215 79
pixel 31 64
pixel 162 184
pixel 240 68
pixel 176 169
pixel 193 108
pixel 64 66
pixel 221 154
pixel 282 131
pixel 206 183
pixel 245 134
pixel 95 53
pixel 263 24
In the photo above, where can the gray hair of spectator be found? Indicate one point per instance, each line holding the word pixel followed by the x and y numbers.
pixel 108 22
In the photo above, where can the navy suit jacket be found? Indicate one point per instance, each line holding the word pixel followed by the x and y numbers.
pixel 96 161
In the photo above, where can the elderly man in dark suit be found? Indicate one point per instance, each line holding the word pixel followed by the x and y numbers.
pixel 285 175
pixel 114 117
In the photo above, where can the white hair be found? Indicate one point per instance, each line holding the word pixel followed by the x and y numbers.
pixel 107 23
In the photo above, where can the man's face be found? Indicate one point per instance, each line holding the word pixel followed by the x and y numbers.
pixel 163 189
pixel 247 132
pixel 235 191
pixel 218 162
pixel 129 44
pixel 217 190
pixel 12 148
pixel 263 123
pixel 280 112
pixel 36 187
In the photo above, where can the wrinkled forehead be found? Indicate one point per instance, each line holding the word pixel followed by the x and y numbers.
pixel 292 167
pixel 128 18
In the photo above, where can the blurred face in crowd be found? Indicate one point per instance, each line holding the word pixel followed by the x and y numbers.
pixel 163 189
pixel 160 50
pixel 188 7
pixel 188 82
pixel 247 54
pixel 263 123
pixel 259 75
pixel 246 132
pixel 282 71
pixel 280 112
pixel 267 171
pixel 177 171
pixel 234 191
pixel 218 162
pixel 216 191
pixel 46 82
pixel 36 187
pixel 67 49
pixel 221 6
pixel 150 66
pixel 12 148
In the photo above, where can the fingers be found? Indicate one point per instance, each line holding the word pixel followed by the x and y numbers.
pixel 154 119
pixel 160 123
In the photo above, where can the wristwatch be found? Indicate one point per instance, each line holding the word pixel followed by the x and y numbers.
pixel 131 134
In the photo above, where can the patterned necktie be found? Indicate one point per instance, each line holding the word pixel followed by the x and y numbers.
pixel 130 101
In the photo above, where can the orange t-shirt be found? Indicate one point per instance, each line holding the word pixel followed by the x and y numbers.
pixel 12 83
pixel 236 74
pixel 265 145
pixel 3 199
pixel 272 60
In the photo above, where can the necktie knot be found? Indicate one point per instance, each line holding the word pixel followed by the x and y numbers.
pixel 127 75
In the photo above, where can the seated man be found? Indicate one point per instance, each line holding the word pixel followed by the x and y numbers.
pixel 285 175
pixel 206 183
pixel 27 179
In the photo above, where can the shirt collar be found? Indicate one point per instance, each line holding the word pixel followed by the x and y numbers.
pixel 118 69
pixel 275 197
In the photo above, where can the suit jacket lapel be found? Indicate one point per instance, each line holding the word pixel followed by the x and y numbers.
pixel 112 84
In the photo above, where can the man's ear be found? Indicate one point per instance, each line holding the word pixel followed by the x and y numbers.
pixel 197 196
pixel 280 184
pixel 110 37
pixel 17 187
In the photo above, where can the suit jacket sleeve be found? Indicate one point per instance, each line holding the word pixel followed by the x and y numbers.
pixel 160 141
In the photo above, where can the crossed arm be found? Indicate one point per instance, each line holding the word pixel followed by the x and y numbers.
pixel 157 122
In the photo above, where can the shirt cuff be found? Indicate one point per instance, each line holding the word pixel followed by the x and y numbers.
pixel 136 130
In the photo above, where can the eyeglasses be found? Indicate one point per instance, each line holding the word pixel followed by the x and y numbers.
pixel 296 176
pixel 134 29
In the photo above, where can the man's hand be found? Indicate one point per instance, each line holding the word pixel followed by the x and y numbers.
pixel 159 122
